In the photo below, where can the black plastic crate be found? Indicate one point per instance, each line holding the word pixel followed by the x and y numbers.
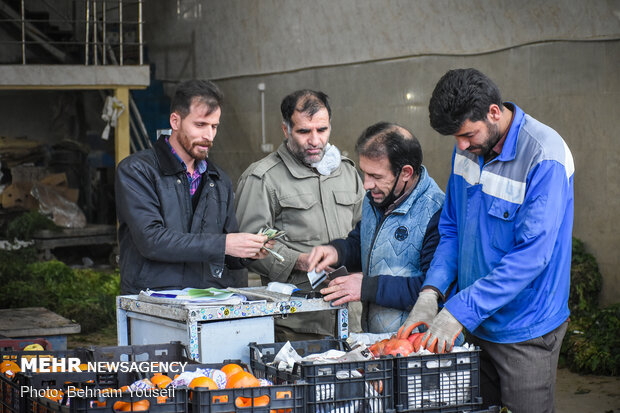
pixel 263 354
pixel 11 399
pixel 165 352
pixel 354 386
pixel 170 402
pixel 92 383
pixel 9 395
pixel 267 399
pixel 438 383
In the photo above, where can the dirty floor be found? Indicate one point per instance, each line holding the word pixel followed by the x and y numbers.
pixel 575 393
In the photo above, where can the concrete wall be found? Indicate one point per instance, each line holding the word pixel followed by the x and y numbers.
pixel 379 60
pixel 226 38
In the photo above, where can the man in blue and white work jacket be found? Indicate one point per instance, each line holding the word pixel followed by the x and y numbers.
pixel 505 240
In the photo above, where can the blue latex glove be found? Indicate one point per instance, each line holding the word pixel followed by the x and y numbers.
pixel 442 333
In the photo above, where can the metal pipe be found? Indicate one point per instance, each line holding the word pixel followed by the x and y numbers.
pixel 103 40
pixel 87 29
pixel 262 112
pixel 139 121
pixel 23 35
pixel 95 62
pixel 140 32
pixel 120 30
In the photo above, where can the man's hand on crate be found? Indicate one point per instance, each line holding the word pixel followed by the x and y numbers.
pixel 424 310
pixel 442 333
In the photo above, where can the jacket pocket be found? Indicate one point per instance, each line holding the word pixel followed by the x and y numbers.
pixel 301 217
pixel 502 224
pixel 345 204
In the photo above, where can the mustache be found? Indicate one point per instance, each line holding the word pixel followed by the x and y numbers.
pixel 208 144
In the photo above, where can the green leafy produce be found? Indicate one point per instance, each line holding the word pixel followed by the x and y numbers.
pixel 83 295
pixel 24 226
pixel 208 292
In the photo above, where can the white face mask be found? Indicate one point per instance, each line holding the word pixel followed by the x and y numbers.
pixel 330 161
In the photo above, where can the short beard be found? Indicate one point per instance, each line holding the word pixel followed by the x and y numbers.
pixel 192 150
pixel 300 153
pixel 200 155
pixel 493 136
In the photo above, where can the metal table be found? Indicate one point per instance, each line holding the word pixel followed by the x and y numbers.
pixel 213 333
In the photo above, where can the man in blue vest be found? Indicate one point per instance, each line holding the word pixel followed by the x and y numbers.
pixel 505 240
pixel 393 244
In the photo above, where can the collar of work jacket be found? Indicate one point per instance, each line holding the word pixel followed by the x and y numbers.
pixel 301 171
pixel 170 165
pixel 509 150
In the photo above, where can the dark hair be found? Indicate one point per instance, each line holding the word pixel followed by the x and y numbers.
pixel 460 95
pixel 304 101
pixel 395 142
pixel 202 91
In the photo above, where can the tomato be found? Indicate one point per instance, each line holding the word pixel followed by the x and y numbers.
pixel 416 340
pixel 398 346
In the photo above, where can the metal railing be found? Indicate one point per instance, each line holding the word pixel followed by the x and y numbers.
pixel 92 32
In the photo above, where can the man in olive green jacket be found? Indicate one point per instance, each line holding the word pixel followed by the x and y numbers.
pixel 307 189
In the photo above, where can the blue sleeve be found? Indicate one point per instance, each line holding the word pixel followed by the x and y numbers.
pixel 350 250
pixel 443 269
pixel 536 230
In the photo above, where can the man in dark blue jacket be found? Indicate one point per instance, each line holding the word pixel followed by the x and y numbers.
pixel 177 225
pixel 393 244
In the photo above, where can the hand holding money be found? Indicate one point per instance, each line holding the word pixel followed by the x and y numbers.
pixel 272 234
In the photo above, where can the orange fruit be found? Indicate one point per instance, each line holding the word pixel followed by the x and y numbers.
pixel 139 406
pixel 242 379
pixel 54 395
pixel 231 368
pixel 162 399
pixel 203 382
pixel 247 401
pixel 121 406
pixel 220 399
pixel 9 368
pixel 160 381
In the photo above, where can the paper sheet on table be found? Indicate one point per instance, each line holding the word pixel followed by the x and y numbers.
pixel 212 296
